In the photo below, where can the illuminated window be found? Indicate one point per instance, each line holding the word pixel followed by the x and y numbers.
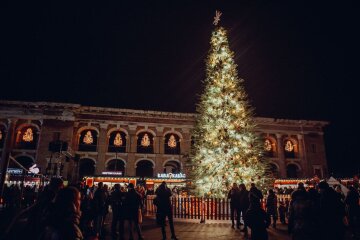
pixel 289 146
pixel 28 135
pixel 88 138
pixel 118 140
pixel 172 141
pixel 290 151
pixel 172 144
pixel 267 145
pixel 145 141
pixel 26 138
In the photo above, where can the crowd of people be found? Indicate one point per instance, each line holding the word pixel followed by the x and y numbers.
pixel 12 195
pixel 79 212
pixel 321 212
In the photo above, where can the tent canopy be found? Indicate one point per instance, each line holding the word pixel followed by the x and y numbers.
pixel 332 181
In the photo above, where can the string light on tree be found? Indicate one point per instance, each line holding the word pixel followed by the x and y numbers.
pixel 227 148
pixel 88 138
pixel 28 135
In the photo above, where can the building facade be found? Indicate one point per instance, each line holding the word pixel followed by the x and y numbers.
pixel 138 143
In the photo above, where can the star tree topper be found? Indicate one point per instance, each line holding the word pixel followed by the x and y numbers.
pixel 217 17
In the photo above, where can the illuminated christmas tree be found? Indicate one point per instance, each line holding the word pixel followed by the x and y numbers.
pixel 226 149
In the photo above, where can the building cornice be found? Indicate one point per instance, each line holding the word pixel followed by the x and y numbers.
pixel 76 112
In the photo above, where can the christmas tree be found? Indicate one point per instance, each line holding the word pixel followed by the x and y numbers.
pixel 227 148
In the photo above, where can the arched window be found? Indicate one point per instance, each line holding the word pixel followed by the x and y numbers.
pixel 25 161
pixel 26 138
pixel 144 168
pixel 289 148
pixel 145 142
pixel 116 165
pixel 86 167
pixel 88 140
pixel 292 171
pixel 172 167
pixel 269 147
pixel 274 170
pixel 117 142
pixel 172 144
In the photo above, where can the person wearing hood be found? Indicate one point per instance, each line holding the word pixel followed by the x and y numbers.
pixel 64 219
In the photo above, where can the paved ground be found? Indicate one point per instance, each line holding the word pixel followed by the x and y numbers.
pixel 199 231
pixel 189 230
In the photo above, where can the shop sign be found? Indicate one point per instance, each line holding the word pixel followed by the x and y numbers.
pixel 118 173
pixel 15 171
pixel 171 175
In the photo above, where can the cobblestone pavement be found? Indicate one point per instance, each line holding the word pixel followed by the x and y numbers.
pixel 200 231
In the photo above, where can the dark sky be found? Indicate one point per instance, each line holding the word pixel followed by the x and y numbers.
pixel 299 60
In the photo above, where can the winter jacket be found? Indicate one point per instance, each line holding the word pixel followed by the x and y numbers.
pixel 234 196
pixel 63 226
pixel 163 195
pixel 132 203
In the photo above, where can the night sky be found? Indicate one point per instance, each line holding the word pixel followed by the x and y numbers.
pixel 299 60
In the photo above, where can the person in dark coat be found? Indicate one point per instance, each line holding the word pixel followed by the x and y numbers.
pixel 234 196
pixel 302 215
pixel 257 219
pixel 332 213
pixel 99 208
pixel 353 211
pixel 255 195
pixel 87 214
pixel 37 213
pixel 271 207
pixel 117 199
pixel 282 212
pixel 132 204
pixel 164 209
pixel 244 204
pixel 64 219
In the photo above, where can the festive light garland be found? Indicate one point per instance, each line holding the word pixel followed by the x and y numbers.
pixel 28 135
pixel 118 140
pixel 88 138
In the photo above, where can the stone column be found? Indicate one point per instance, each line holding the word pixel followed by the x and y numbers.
pixel 302 156
pixel 160 140
pixel 102 148
pixel 130 165
pixel 133 139
pixel 73 170
pixel 281 155
pixel 7 147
